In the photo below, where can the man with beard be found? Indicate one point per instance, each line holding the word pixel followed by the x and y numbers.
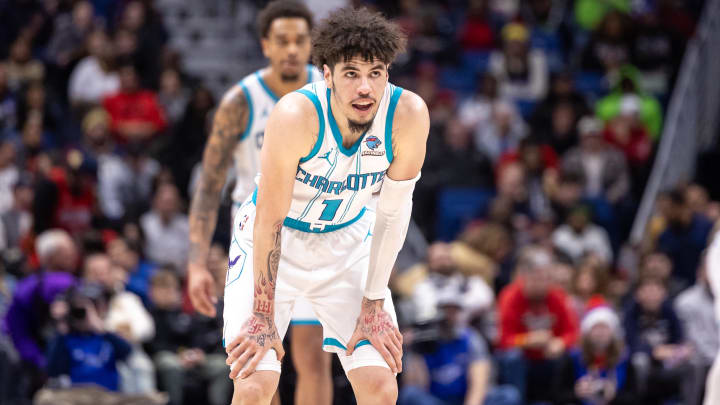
pixel 309 229
pixel 238 131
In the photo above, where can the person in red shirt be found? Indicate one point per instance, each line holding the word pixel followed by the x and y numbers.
pixel 135 114
pixel 537 326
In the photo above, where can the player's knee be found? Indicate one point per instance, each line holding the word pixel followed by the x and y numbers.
pixel 382 388
pixel 251 393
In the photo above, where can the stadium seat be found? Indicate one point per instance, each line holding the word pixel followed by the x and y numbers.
pixel 456 207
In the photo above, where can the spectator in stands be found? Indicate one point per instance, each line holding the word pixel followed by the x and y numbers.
pixel 172 96
pixel 457 369
pixel 537 326
pixel 476 32
pixel 511 186
pixel 656 51
pixel 655 339
pixel 627 83
pixel 29 319
pixel 684 238
pixel 658 265
pixel 93 78
pixel 694 307
pixel 590 13
pixel 135 114
pixel 522 72
pixel 86 353
pixel 578 236
pixel 444 272
pixel 127 255
pixel 502 133
pixel 35 103
pixel 476 111
pixel 629 135
pixel 9 174
pixel 67 42
pixel 8 357
pixel 66 197
pixel 8 105
pixel 453 161
pixel 125 45
pixel 21 68
pixel 127 317
pixel 166 228
pixel 562 107
pixel 175 349
pixel 599 370
pixel 16 223
pixel 539 162
pixel 139 18
pixel 609 48
pixel 589 284
pixel 550 29
pixel 125 182
pixel 602 167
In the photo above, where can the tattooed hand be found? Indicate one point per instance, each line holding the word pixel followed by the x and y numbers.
pixel 258 335
pixel 376 325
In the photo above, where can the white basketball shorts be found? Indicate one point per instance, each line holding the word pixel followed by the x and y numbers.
pixel 325 270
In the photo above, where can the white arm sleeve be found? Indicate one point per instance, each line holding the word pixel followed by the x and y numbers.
pixel 391 225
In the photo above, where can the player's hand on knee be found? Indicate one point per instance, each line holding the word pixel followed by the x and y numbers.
pixel 376 325
pixel 258 335
pixel 201 288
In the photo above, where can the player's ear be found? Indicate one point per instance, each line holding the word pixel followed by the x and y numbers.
pixel 265 45
pixel 327 75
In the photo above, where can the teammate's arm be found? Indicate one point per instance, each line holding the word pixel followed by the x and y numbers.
pixel 288 137
pixel 229 121
pixel 409 136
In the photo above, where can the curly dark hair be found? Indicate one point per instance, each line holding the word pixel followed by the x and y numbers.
pixel 352 32
pixel 281 9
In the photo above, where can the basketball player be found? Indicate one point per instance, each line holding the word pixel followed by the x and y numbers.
pixel 305 232
pixel 712 268
pixel 238 129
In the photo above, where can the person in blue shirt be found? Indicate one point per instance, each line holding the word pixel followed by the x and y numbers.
pixel 87 354
pixel 457 369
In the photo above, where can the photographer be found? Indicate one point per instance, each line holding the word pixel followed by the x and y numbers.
pixel 86 353
pixel 452 365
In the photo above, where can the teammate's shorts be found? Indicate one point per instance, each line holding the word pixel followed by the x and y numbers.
pixel 328 270
pixel 302 313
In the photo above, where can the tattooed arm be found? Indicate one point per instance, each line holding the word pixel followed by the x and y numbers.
pixel 228 124
pixel 289 135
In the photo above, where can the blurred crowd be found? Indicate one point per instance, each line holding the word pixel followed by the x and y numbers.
pixel 517 283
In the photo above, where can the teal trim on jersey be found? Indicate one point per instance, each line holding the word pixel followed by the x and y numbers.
pixel 308 227
pixel 336 343
pixel 305 322
pixel 321 120
pixel 319 193
pixel 309 73
pixel 265 86
pixel 254 196
pixel 397 91
pixel 338 136
pixel 349 204
pixel 248 127
pixel 223 341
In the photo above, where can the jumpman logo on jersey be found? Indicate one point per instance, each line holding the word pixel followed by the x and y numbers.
pixel 327 156
pixel 369 234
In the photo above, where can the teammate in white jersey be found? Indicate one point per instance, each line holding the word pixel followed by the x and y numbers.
pixel 305 232
pixel 238 129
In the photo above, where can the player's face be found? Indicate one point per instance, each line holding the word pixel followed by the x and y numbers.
pixel 358 86
pixel 288 47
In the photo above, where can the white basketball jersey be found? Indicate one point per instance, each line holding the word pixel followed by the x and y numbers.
pixel 334 184
pixel 260 101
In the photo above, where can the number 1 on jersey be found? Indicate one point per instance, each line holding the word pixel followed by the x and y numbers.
pixel 331 207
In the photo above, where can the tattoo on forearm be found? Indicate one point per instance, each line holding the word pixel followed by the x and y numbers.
pixel 261 327
pixel 228 123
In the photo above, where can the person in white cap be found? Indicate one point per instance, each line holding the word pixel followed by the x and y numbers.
pixel 598 371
